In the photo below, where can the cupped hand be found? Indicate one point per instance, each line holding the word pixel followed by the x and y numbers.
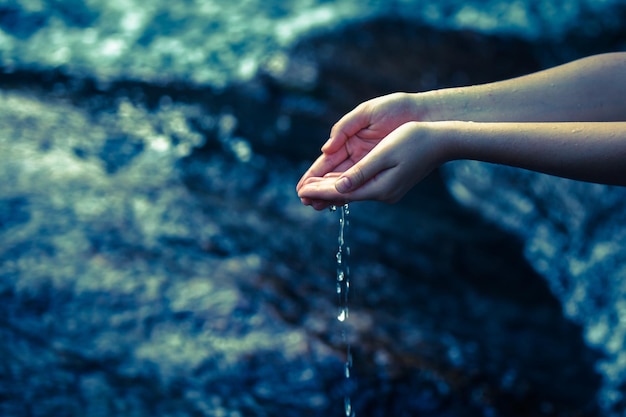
pixel 359 131
pixel 376 170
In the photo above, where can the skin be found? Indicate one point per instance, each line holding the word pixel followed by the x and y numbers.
pixel 568 121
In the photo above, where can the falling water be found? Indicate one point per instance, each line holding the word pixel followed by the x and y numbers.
pixel 343 287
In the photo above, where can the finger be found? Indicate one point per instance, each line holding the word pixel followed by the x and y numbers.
pixel 363 171
pixel 316 204
pixel 324 164
pixel 321 192
pixel 348 126
pixel 377 188
pixel 317 169
pixel 320 205
pixel 321 189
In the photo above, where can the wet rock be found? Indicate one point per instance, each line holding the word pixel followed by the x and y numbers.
pixel 572 235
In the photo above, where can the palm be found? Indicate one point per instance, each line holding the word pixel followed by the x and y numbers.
pixel 359 145
pixel 355 149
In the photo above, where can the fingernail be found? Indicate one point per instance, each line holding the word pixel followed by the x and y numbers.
pixel 343 184
pixel 326 143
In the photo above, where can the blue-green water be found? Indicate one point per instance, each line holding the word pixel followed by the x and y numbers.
pixel 154 259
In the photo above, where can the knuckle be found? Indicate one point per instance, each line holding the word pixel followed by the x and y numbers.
pixel 358 176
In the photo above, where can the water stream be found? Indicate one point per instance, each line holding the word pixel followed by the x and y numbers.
pixel 343 289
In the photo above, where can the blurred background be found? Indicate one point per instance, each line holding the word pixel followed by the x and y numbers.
pixel 156 261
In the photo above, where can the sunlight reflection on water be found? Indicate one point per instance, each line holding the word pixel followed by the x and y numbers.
pixel 215 43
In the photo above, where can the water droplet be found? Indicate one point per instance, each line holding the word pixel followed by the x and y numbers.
pixel 338 288
pixel 340 275
pixel 339 257
pixel 343 314
pixel 332 208
pixel 348 407
pixel 348 250
pixel 347 371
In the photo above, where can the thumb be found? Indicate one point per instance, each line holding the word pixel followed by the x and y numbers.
pixel 349 181
pixel 360 173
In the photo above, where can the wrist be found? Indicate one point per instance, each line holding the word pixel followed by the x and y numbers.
pixel 443 104
pixel 451 139
pixel 456 103
pixel 431 104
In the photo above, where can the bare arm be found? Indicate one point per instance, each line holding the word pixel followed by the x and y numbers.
pixel 590 89
pixel 585 151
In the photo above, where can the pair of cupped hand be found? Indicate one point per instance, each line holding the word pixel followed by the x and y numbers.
pixel 378 151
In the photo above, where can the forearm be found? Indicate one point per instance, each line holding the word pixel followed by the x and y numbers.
pixel 590 89
pixel 586 151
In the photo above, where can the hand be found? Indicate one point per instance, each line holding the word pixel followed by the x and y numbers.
pixel 377 170
pixel 358 132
